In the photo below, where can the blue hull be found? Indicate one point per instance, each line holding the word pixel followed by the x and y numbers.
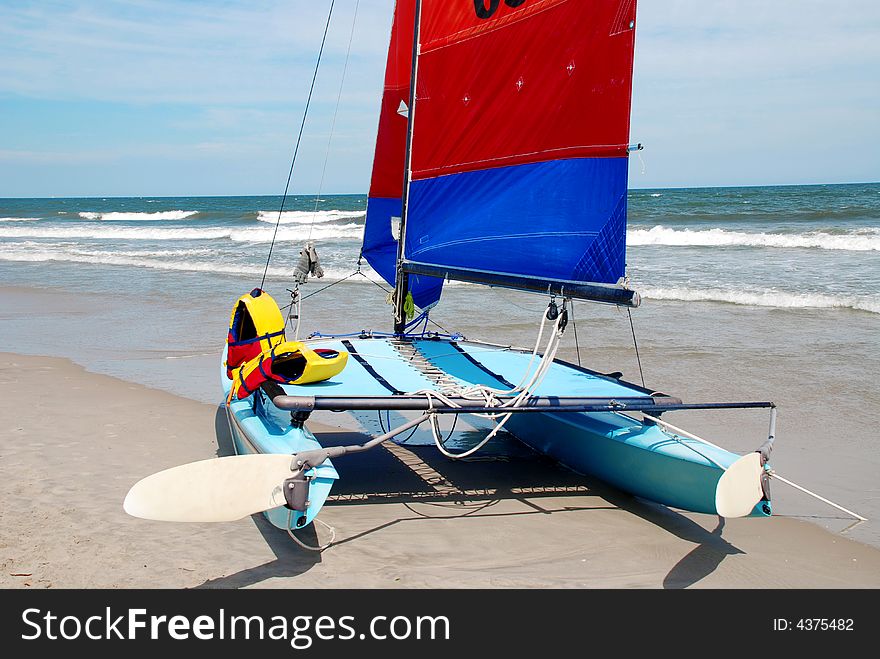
pixel 259 428
pixel 637 457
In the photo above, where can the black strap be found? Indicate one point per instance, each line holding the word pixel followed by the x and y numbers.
pixel 372 371
pixel 262 337
pixel 481 366
pixel 243 382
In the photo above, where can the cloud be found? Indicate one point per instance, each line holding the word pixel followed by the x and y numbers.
pixel 152 51
pixel 742 92
pixel 757 92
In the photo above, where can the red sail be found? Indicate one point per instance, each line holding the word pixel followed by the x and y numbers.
pixel 384 204
pixel 387 180
pixel 503 85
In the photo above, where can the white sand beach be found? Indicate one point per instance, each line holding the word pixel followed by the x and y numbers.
pixel 74 442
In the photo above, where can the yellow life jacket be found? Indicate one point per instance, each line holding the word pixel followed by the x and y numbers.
pixel 290 362
pixel 256 325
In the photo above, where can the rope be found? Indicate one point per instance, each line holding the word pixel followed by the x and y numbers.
pixel 293 310
pixel 489 396
pixel 425 316
pixel 636 344
pixel 388 429
pixel 305 545
pixel 335 113
pixel 574 326
pixel 375 283
pixel 298 140
pixel 338 281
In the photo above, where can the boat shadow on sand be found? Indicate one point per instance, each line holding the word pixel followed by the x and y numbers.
pixel 412 474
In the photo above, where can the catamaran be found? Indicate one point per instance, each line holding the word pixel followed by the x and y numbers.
pixel 501 160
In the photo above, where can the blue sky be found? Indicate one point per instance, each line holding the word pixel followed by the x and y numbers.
pixel 156 97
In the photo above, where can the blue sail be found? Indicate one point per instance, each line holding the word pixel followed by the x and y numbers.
pixel 380 250
pixel 536 223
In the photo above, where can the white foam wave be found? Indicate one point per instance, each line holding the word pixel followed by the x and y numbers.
pixel 20 219
pixel 766 298
pixel 308 217
pixel 138 217
pixel 660 235
pixel 141 262
pixel 172 260
pixel 246 235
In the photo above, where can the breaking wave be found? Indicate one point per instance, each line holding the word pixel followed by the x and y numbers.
pixel 244 235
pixel 138 217
pixel 767 298
pixel 173 260
pixel 20 219
pixel 308 217
pixel 862 241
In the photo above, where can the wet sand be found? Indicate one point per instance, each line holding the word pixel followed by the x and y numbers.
pixel 73 442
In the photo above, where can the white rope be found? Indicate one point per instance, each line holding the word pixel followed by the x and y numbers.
pixel 305 545
pixel 295 311
pixel 776 476
pixel 671 431
pixel 489 396
pixel 770 472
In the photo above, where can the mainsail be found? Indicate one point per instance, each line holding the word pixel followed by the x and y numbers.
pixel 519 145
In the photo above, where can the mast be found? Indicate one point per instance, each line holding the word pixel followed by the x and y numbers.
pixel 401 286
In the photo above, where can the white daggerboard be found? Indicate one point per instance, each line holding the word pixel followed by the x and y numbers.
pixel 217 490
pixel 739 488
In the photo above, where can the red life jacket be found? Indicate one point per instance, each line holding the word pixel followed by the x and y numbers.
pixel 256 325
pixel 291 362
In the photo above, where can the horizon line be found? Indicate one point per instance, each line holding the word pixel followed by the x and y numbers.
pixel 366 194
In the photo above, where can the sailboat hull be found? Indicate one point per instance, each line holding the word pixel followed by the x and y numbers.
pixel 637 460
pixel 631 454
pixel 256 427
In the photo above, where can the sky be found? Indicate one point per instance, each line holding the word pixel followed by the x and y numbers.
pixel 178 98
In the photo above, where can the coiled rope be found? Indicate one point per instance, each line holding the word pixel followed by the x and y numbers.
pixel 490 396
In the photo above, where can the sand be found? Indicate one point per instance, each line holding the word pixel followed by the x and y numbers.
pixel 73 442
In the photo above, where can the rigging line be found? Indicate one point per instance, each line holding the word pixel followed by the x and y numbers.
pixel 386 290
pixel 574 326
pixel 298 140
pixel 382 426
pixel 335 113
pixel 338 281
pixel 433 322
pixel 636 344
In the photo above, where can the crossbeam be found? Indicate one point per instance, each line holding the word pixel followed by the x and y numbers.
pixel 535 404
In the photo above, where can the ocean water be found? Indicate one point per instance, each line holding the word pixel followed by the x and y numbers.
pixel 765 293
pixel 805 247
